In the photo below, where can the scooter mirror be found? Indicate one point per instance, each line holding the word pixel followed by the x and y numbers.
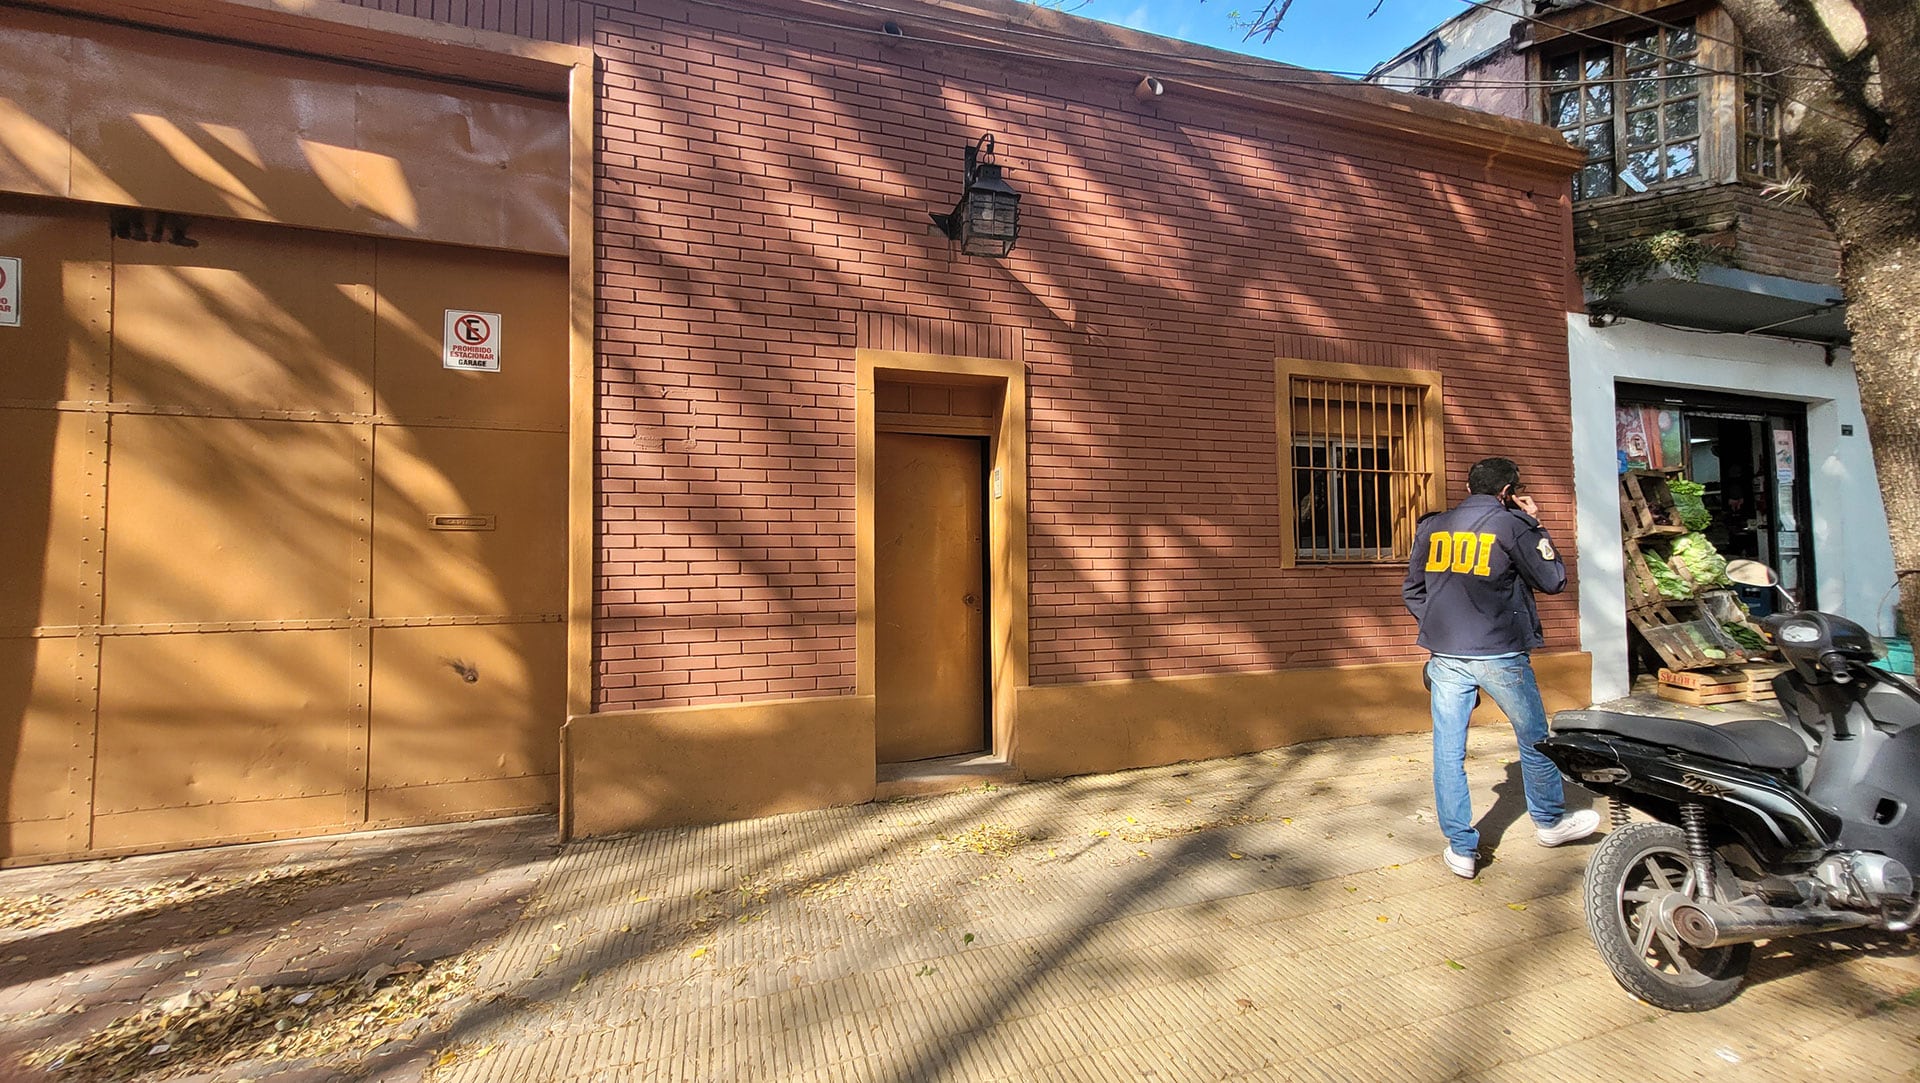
pixel 1752 573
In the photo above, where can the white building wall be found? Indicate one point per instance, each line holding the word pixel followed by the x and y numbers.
pixel 1853 557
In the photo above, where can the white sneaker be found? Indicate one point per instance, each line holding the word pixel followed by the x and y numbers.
pixel 1461 864
pixel 1574 825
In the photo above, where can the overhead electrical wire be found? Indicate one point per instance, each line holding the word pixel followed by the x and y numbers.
pixel 1263 76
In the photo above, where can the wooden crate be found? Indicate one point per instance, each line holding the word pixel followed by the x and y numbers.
pixel 1750 683
pixel 1646 504
pixel 1681 635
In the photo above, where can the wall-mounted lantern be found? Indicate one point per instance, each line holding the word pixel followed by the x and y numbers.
pixel 986 221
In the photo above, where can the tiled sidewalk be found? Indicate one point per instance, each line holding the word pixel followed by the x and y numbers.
pixel 1279 916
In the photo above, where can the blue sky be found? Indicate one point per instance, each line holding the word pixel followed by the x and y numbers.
pixel 1327 35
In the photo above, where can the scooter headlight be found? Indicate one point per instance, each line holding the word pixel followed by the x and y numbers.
pixel 1799 633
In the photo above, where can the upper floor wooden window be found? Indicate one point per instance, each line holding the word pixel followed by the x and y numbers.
pixel 1759 121
pixel 1633 105
pixel 1360 455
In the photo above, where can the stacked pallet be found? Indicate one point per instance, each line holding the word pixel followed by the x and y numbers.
pixel 1687 633
pixel 1751 683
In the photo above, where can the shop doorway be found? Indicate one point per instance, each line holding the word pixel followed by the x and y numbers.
pixel 1749 457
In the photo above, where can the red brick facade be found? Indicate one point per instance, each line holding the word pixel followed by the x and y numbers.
pixel 764 186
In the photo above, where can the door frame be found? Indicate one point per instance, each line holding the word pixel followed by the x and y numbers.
pixel 1006 520
pixel 1763 409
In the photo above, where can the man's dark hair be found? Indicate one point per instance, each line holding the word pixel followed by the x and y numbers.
pixel 1489 476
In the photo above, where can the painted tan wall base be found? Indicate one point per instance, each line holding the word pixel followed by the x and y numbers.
pixel 635 770
pixel 630 770
pixel 1116 725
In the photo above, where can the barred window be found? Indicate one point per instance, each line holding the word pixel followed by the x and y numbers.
pixel 1361 455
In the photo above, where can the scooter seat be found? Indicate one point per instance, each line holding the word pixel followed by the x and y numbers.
pixel 1755 742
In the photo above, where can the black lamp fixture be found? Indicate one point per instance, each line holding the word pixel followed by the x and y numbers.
pixel 986 221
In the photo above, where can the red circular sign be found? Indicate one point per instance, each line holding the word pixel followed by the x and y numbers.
pixel 472 330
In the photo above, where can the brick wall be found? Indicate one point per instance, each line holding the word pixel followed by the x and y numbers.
pixel 1769 237
pixel 764 191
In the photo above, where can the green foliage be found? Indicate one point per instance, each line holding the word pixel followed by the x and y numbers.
pixel 1617 266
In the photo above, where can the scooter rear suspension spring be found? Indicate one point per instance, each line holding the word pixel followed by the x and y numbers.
pixel 1693 820
pixel 1619 813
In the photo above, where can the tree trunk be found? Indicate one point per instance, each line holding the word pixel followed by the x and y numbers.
pixel 1876 217
pixel 1882 277
pixel 1851 69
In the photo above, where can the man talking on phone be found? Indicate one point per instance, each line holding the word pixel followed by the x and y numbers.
pixel 1470 584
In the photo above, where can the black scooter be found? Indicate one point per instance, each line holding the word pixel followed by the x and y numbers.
pixel 1764 830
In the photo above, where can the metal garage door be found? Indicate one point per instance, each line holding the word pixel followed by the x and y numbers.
pixel 272 567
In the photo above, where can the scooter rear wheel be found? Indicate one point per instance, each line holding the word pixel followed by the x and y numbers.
pixel 1631 869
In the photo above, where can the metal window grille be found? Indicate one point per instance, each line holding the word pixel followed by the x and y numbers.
pixel 1361 475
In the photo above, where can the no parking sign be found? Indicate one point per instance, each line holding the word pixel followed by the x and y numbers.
pixel 471 341
pixel 9 291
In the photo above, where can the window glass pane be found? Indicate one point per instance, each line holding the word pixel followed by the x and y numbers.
pixel 1683 119
pixel 1643 92
pixel 1640 48
pixel 1596 180
pixel 1683 159
pixel 1684 81
pixel 1563 109
pixel 1643 128
pixel 1599 64
pixel 1562 69
pixel 1681 40
pixel 1599 139
pixel 1599 101
pixel 1312 515
pixel 1644 165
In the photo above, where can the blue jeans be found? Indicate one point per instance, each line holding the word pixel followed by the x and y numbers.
pixel 1510 682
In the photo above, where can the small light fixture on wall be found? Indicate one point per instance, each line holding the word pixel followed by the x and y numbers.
pixel 986 220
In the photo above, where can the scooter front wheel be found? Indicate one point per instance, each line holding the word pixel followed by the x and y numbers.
pixel 1631 870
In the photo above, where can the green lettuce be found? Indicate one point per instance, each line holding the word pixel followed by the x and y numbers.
pixel 1687 500
pixel 1695 557
pixel 1671 585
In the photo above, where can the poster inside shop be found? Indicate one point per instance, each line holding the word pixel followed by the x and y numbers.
pixel 1647 437
pixel 1784 466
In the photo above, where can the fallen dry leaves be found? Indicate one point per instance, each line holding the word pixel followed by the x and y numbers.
pixel 994 840
pixel 197 1032
pixel 281 884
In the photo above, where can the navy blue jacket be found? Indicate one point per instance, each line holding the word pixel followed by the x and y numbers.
pixel 1471 580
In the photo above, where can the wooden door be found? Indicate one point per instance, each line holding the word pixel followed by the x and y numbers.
pixel 930 605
